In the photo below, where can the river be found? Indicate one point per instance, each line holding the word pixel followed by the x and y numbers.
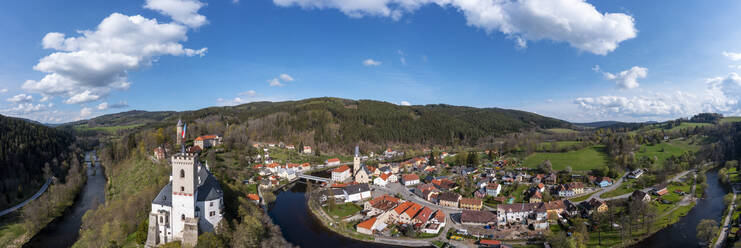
pixel 64 231
pixel 684 232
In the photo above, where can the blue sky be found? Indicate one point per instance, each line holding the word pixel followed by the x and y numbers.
pixel 570 59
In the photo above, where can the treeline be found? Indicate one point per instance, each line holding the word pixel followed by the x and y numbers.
pixel 26 149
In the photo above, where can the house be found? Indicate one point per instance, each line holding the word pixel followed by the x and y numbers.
pixel 636 173
pixel 448 199
pixel 332 162
pixel 478 218
pixel 398 210
pixel 471 203
pixel 597 205
pixel 341 174
pixel 604 182
pixel 426 191
pixel 423 216
pixel 640 195
pixel 207 141
pixel 554 208
pixel 370 225
pixel 541 187
pixel 381 204
pixel 570 189
pixel 551 179
pixel 490 243
pixel 305 167
pixel 410 179
pixel 493 189
pixel 307 150
pixel 159 153
pixel 536 197
pixel 290 147
pixel 254 198
pixel 411 212
pixel 435 223
pixel 443 184
pixel 515 213
pixel 382 180
pixel 659 190
pixel 357 192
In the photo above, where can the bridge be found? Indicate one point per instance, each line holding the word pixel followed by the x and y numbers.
pixel 315 178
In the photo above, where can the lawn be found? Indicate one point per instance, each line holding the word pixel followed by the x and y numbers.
pixel 688 125
pixel 518 193
pixel 559 145
pixel 625 188
pixel 581 198
pixel 561 130
pixel 343 210
pixel 730 119
pixel 579 160
pixel 660 151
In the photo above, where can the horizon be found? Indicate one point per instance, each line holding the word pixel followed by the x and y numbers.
pixel 578 61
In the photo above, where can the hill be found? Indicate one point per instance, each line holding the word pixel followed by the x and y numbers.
pixel 26 148
pixel 334 121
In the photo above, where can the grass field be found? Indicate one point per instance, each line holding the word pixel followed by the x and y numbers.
pixel 730 119
pixel 658 127
pixel 559 144
pixel 341 211
pixel 562 130
pixel 662 151
pixel 580 160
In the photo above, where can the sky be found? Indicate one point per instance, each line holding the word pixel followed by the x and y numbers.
pixel 575 60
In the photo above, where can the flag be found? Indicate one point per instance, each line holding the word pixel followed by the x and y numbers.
pixel 184 127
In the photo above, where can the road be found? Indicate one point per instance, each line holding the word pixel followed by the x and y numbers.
pixel 620 181
pixel 20 205
pixel 726 222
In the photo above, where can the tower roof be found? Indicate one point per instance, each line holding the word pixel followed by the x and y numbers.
pixel 180 122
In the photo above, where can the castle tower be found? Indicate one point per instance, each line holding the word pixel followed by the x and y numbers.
pixel 356 161
pixel 179 135
pixel 184 186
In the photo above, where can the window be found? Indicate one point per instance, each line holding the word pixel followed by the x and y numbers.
pixel 182 173
pixel 212 213
pixel 212 204
pixel 182 217
pixel 182 188
pixel 162 220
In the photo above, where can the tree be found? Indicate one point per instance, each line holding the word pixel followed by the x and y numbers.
pixel 432 160
pixel 473 159
pixel 209 239
pixel 707 229
pixel 546 166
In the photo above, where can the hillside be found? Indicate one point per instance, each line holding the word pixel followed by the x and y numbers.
pixel 335 121
pixel 26 148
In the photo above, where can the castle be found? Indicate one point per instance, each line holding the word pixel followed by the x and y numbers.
pixel 191 203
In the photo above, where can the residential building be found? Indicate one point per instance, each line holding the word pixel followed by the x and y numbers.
pixel 436 223
pixel 423 216
pixel 471 203
pixel 604 182
pixel 478 218
pixel 159 153
pixel 307 150
pixel 493 189
pixel 380 205
pixel 362 175
pixel 341 174
pixel 448 199
pixel 407 216
pixel 369 226
pixel 382 180
pixel 536 197
pixel 597 205
pixel 398 210
pixel 410 179
pixel 659 190
pixel 640 195
pixel 357 192
pixel 206 141
pixel 636 173
pixel 332 162
pixel 551 179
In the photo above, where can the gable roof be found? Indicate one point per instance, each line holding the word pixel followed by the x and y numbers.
pixel 403 207
pixel 207 137
pixel 368 224
pixel 341 169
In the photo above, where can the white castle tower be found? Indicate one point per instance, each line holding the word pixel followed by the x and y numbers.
pixel 184 185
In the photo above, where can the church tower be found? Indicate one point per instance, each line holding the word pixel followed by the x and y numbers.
pixel 184 186
pixel 179 135
pixel 356 161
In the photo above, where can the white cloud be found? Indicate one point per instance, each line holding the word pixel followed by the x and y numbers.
pixel 85 112
pixel 596 68
pixel 627 79
pixel 575 22
pixel 275 82
pixel 405 103
pixel 20 98
pixel 3 91
pixel 103 106
pixel 85 96
pixel 723 95
pixel 44 98
pixel 732 56
pixel 285 78
pixel 371 62
pixel 402 58
pixel 181 11
pixel 88 67
pixel 249 93
pixel 26 108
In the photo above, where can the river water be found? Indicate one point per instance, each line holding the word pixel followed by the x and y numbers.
pixel 64 231
pixel 684 232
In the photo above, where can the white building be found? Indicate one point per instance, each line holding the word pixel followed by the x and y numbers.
pixel 357 192
pixel 341 174
pixel 207 141
pixel 191 203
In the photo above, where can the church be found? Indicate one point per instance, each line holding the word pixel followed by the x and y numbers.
pixel 191 203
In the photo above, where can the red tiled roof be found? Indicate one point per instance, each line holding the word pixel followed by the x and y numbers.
pixel 424 215
pixel 410 177
pixel 470 201
pixel 341 169
pixel 206 137
pixel 332 160
pixel 489 242
pixel 385 176
pixel 253 197
pixel 368 224
pixel 413 210
pixel 400 209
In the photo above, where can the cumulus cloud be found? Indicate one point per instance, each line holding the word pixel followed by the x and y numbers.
pixel 371 62
pixel 85 112
pixel 721 96
pixel 89 66
pixel 627 79
pixel 275 82
pixel 285 78
pixel 405 103
pixel 181 11
pixel 105 105
pixel 575 22
pixel 20 98
pixel 732 56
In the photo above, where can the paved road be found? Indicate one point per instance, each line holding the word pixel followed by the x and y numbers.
pixel 20 205
pixel 724 229
pixel 620 182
